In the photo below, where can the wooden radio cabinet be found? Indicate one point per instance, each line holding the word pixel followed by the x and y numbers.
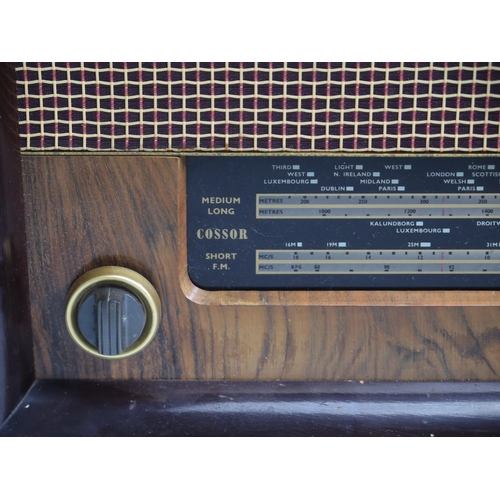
pixel 222 362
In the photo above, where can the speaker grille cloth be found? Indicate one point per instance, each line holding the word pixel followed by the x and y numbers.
pixel 338 107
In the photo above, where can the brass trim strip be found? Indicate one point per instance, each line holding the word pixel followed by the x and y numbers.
pixel 181 154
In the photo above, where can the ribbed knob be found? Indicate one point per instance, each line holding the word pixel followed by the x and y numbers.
pixel 111 319
pixel 112 312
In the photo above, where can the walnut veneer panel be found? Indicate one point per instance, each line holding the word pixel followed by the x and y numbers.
pixel 89 211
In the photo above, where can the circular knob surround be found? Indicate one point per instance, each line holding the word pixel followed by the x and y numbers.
pixel 112 312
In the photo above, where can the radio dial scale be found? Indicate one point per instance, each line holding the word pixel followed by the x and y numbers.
pixel 412 222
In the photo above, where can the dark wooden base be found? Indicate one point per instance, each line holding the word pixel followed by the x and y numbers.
pixel 159 408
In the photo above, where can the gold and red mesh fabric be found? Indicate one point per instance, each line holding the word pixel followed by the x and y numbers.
pixel 268 107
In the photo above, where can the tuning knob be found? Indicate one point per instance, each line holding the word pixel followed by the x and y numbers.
pixel 112 312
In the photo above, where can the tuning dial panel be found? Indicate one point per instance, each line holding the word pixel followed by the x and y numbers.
pixel 112 312
pixel 344 223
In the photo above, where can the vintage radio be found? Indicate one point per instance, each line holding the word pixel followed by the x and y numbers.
pixel 251 246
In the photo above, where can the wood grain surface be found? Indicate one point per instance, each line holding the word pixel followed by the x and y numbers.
pixel 16 353
pixel 88 211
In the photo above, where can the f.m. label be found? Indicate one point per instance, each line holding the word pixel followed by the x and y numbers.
pixel 222 234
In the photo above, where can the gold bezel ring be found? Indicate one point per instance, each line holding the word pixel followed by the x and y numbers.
pixel 119 276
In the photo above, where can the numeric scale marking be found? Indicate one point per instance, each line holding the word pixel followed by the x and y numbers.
pixel 377 261
pixel 379 206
